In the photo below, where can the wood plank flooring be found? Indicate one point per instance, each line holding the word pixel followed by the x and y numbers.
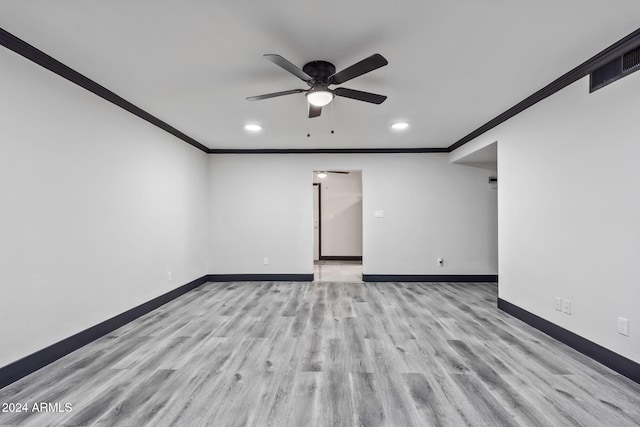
pixel 327 354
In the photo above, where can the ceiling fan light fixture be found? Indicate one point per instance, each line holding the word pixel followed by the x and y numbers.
pixel 319 97
pixel 322 175
pixel 400 125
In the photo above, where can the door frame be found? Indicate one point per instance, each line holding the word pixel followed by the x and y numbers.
pixel 319 220
pixel 331 257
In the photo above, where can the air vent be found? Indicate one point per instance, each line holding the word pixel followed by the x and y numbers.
pixel 631 60
pixel 615 69
pixel 606 74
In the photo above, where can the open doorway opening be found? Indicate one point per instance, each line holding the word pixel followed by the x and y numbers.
pixel 337 225
pixel 486 158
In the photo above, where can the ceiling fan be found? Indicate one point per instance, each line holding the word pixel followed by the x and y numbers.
pixel 319 75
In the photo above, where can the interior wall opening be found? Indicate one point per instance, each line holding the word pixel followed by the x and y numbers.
pixel 337 225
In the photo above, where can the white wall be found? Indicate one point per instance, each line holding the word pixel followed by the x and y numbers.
pixel 341 214
pixel 261 206
pixel 569 210
pixel 97 206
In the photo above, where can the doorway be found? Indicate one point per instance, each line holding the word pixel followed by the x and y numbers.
pixel 337 225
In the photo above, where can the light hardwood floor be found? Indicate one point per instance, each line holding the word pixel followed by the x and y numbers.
pixel 328 354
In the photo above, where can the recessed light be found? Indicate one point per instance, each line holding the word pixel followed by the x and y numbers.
pixel 253 128
pixel 322 175
pixel 400 125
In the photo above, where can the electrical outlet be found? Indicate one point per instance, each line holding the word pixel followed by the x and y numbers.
pixel 558 304
pixel 440 262
pixel 168 276
pixel 266 261
pixel 566 306
pixel 623 326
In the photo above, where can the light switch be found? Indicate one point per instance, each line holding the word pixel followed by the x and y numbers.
pixel 378 214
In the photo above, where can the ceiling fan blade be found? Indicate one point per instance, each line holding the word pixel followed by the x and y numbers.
pixel 273 95
pixel 360 95
pixel 314 111
pixel 371 63
pixel 281 62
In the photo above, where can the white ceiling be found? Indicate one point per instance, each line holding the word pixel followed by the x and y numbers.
pixel 453 65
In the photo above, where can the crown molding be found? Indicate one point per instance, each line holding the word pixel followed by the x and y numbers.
pixel 327 150
pixel 582 70
pixel 31 53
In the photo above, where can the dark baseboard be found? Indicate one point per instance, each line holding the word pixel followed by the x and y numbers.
pixel 468 278
pixel 618 363
pixel 25 366
pixel 340 258
pixel 259 278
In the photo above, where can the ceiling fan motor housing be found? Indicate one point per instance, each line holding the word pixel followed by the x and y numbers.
pixel 319 70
